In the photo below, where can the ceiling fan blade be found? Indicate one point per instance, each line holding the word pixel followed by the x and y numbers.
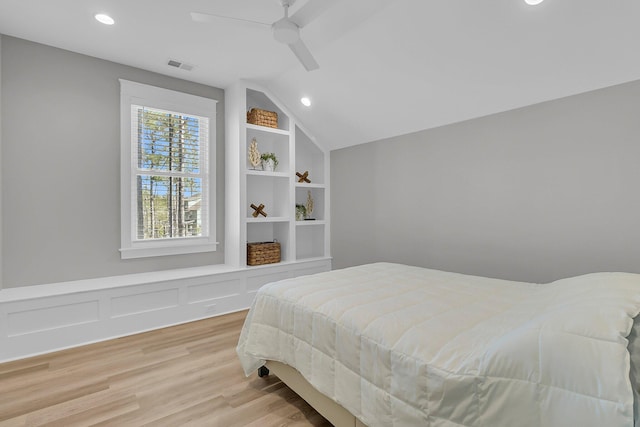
pixel 311 11
pixel 304 55
pixel 208 18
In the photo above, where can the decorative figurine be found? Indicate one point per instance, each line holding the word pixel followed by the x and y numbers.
pixel 258 210
pixel 254 154
pixel 309 205
pixel 303 177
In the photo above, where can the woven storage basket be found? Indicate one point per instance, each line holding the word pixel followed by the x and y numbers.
pixel 263 253
pixel 259 117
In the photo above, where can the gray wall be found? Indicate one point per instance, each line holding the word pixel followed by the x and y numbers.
pixel 534 194
pixel 0 164
pixel 60 166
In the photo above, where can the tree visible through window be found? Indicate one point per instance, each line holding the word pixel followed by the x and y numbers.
pixel 171 166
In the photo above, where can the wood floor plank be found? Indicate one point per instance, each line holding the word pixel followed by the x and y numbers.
pixel 186 375
pixel 23 372
pixel 96 413
pixel 19 421
pixel 196 415
pixel 50 393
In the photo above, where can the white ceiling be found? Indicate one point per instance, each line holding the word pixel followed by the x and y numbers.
pixel 387 67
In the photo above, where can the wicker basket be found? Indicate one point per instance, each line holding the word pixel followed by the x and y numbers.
pixel 263 253
pixel 259 117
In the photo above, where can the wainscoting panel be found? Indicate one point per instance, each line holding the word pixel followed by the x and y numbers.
pixel 213 290
pixel 144 302
pixel 45 318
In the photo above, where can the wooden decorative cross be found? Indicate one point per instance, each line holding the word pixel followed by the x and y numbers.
pixel 258 210
pixel 303 177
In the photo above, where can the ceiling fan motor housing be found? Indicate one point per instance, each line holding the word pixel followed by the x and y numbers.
pixel 286 31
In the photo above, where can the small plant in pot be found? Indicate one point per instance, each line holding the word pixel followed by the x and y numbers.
pixel 269 161
pixel 301 212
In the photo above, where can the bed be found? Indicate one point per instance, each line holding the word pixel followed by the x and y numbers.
pixel 393 345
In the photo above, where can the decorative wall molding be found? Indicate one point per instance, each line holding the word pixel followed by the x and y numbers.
pixel 41 319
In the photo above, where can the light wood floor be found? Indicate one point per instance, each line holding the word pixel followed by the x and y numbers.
pixel 178 376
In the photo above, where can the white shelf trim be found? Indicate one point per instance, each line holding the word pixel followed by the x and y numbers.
pixel 312 185
pixel 267 173
pixel 310 223
pixel 267 129
pixel 268 219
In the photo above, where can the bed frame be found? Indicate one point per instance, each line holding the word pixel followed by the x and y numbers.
pixel 333 412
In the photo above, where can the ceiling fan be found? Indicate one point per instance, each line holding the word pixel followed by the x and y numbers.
pixel 287 29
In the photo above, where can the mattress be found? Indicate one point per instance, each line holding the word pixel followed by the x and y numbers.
pixel 404 346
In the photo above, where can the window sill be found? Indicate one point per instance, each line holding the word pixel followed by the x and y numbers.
pixel 153 251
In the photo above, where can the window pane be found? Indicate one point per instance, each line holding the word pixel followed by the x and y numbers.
pixel 169 141
pixel 169 207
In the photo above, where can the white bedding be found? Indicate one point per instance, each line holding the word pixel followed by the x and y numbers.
pixel 406 346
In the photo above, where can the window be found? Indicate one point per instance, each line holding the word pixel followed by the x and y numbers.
pixel 167 181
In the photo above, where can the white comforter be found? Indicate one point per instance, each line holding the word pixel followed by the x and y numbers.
pixel 407 346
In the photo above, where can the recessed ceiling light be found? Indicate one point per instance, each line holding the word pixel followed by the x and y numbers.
pixel 533 2
pixel 105 19
pixel 305 101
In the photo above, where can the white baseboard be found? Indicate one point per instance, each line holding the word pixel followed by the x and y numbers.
pixel 45 318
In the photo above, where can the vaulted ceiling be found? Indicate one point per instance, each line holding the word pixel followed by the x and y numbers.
pixel 387 67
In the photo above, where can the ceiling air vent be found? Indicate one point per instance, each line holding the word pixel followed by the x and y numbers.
pixel 181 65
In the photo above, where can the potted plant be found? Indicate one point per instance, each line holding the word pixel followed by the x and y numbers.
pixel 269 161
pixel 301 212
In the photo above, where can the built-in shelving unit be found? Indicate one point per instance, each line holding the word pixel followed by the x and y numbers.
pixel 279 191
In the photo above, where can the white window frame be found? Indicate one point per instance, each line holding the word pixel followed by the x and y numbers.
pixel 132 93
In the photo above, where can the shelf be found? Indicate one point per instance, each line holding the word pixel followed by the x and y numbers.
pixel 309 157
pixel 268 219
pixel 270 190
pixel 267 173
pixel 267 129
pixel 269 232
pixel 317 193
pixel 259 99
pixel 270 142
pixel 310 223
pixel 309 242
pixel 305 185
